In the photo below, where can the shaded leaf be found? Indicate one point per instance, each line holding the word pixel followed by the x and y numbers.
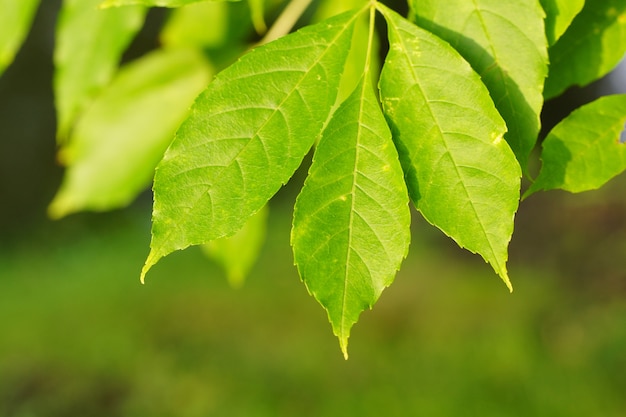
pixel 15 21
pixel 590 48
pixel 117 143
pixel 238 253
pixel 89 44
pixel 151 3
pixel 505 43
pixel 559 15
pixel 461 174
pixel 246 136
pixel 585 149
pixel 351 220
pixel 257 14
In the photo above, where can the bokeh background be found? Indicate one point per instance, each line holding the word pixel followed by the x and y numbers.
pixel 80 336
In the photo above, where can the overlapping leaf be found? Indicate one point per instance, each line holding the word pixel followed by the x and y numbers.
pixel 559 15
pixel 461 174
pixel 592 46
pixel 89 44
pixel 505 43
pixel 246 136
pixel 351 221
pixel 119 140
pixel 150 3
pixel 585 150
pixel 15 20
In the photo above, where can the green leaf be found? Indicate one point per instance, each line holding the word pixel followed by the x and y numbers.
pixel 238 253
pixel 246 136
pixel 201 25
pixel 117 143
pixel 257 14
pixel 592 46
pixel 505 43
pixel 461 175
pixel 90 43
pixel 559 15
pixel 151 3
pixel 351 221
pixel 584 150
pixel 15 20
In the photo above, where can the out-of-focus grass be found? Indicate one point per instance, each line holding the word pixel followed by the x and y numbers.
pixel 79 336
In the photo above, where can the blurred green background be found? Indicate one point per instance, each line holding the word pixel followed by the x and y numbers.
pixel 80 336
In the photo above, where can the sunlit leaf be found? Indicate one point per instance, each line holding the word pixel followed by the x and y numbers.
pixel 462 176
pixel 89 44
pixel 238 253
pixel 202 25
pixel 151 3
pixel 246 136
pixel 117 143
pixel 559 15
pixel 592 46
pixel 585 150
pixel 505 43
pixel 15 20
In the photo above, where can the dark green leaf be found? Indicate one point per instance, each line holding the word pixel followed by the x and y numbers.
pixel 462 176
pixel 584 151
pixel 246 136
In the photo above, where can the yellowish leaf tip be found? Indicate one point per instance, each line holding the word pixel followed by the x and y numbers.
pixel 150 261
pixel 343 343
pixel 505 277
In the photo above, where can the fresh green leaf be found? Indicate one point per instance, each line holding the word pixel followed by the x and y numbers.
pixel 505 43
pixel 15 20
pixel 559 15
pixel 351 220
pixel 246 136
pixel 238 253
pixel 201 25
pixel 117 143
pixel 592 46
pixel 90 43
pixel 585 150
pixel 461 175
pixel 151 3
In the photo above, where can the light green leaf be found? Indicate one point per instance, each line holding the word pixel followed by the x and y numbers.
pixel 238 253
pixel 257 14
pixel 150 3
pixel 592 46
pixel 201 25
pixel 15 20
pixel 505 43
pixel 90 43
pixel 246 136
pixel 119 140
pixel 351 220
pixel 461 175
pixel 584 151
pixel 559 15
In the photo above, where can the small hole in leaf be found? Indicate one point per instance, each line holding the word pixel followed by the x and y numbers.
pixel 622 138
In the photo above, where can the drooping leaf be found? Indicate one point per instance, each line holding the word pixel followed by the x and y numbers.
pixel 461 175
pixel 246 136
pixel 505 43
pixel 238 253
pixel 559 15
pixel 150 3
pixel 351 220
pixel 585 149
pixel 117 143
pixel 89 44
pixel 591 47
pixel 15 20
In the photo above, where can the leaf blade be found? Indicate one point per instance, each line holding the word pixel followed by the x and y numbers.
pixel 351 220
pixel 590 133
pixel 15 20
pixel 559 15
pixel 449 137
pixel 255 123
pixel 151 3
pixel 505 43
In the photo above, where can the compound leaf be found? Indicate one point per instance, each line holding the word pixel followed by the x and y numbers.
pixel 586 149
pixel 461 175
pixel 121 137
pixel 246 136
pixel 559 15
pixel 90 43
pixel 591 47
pixel 351 220
pixel 505 43
pixel 15 20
